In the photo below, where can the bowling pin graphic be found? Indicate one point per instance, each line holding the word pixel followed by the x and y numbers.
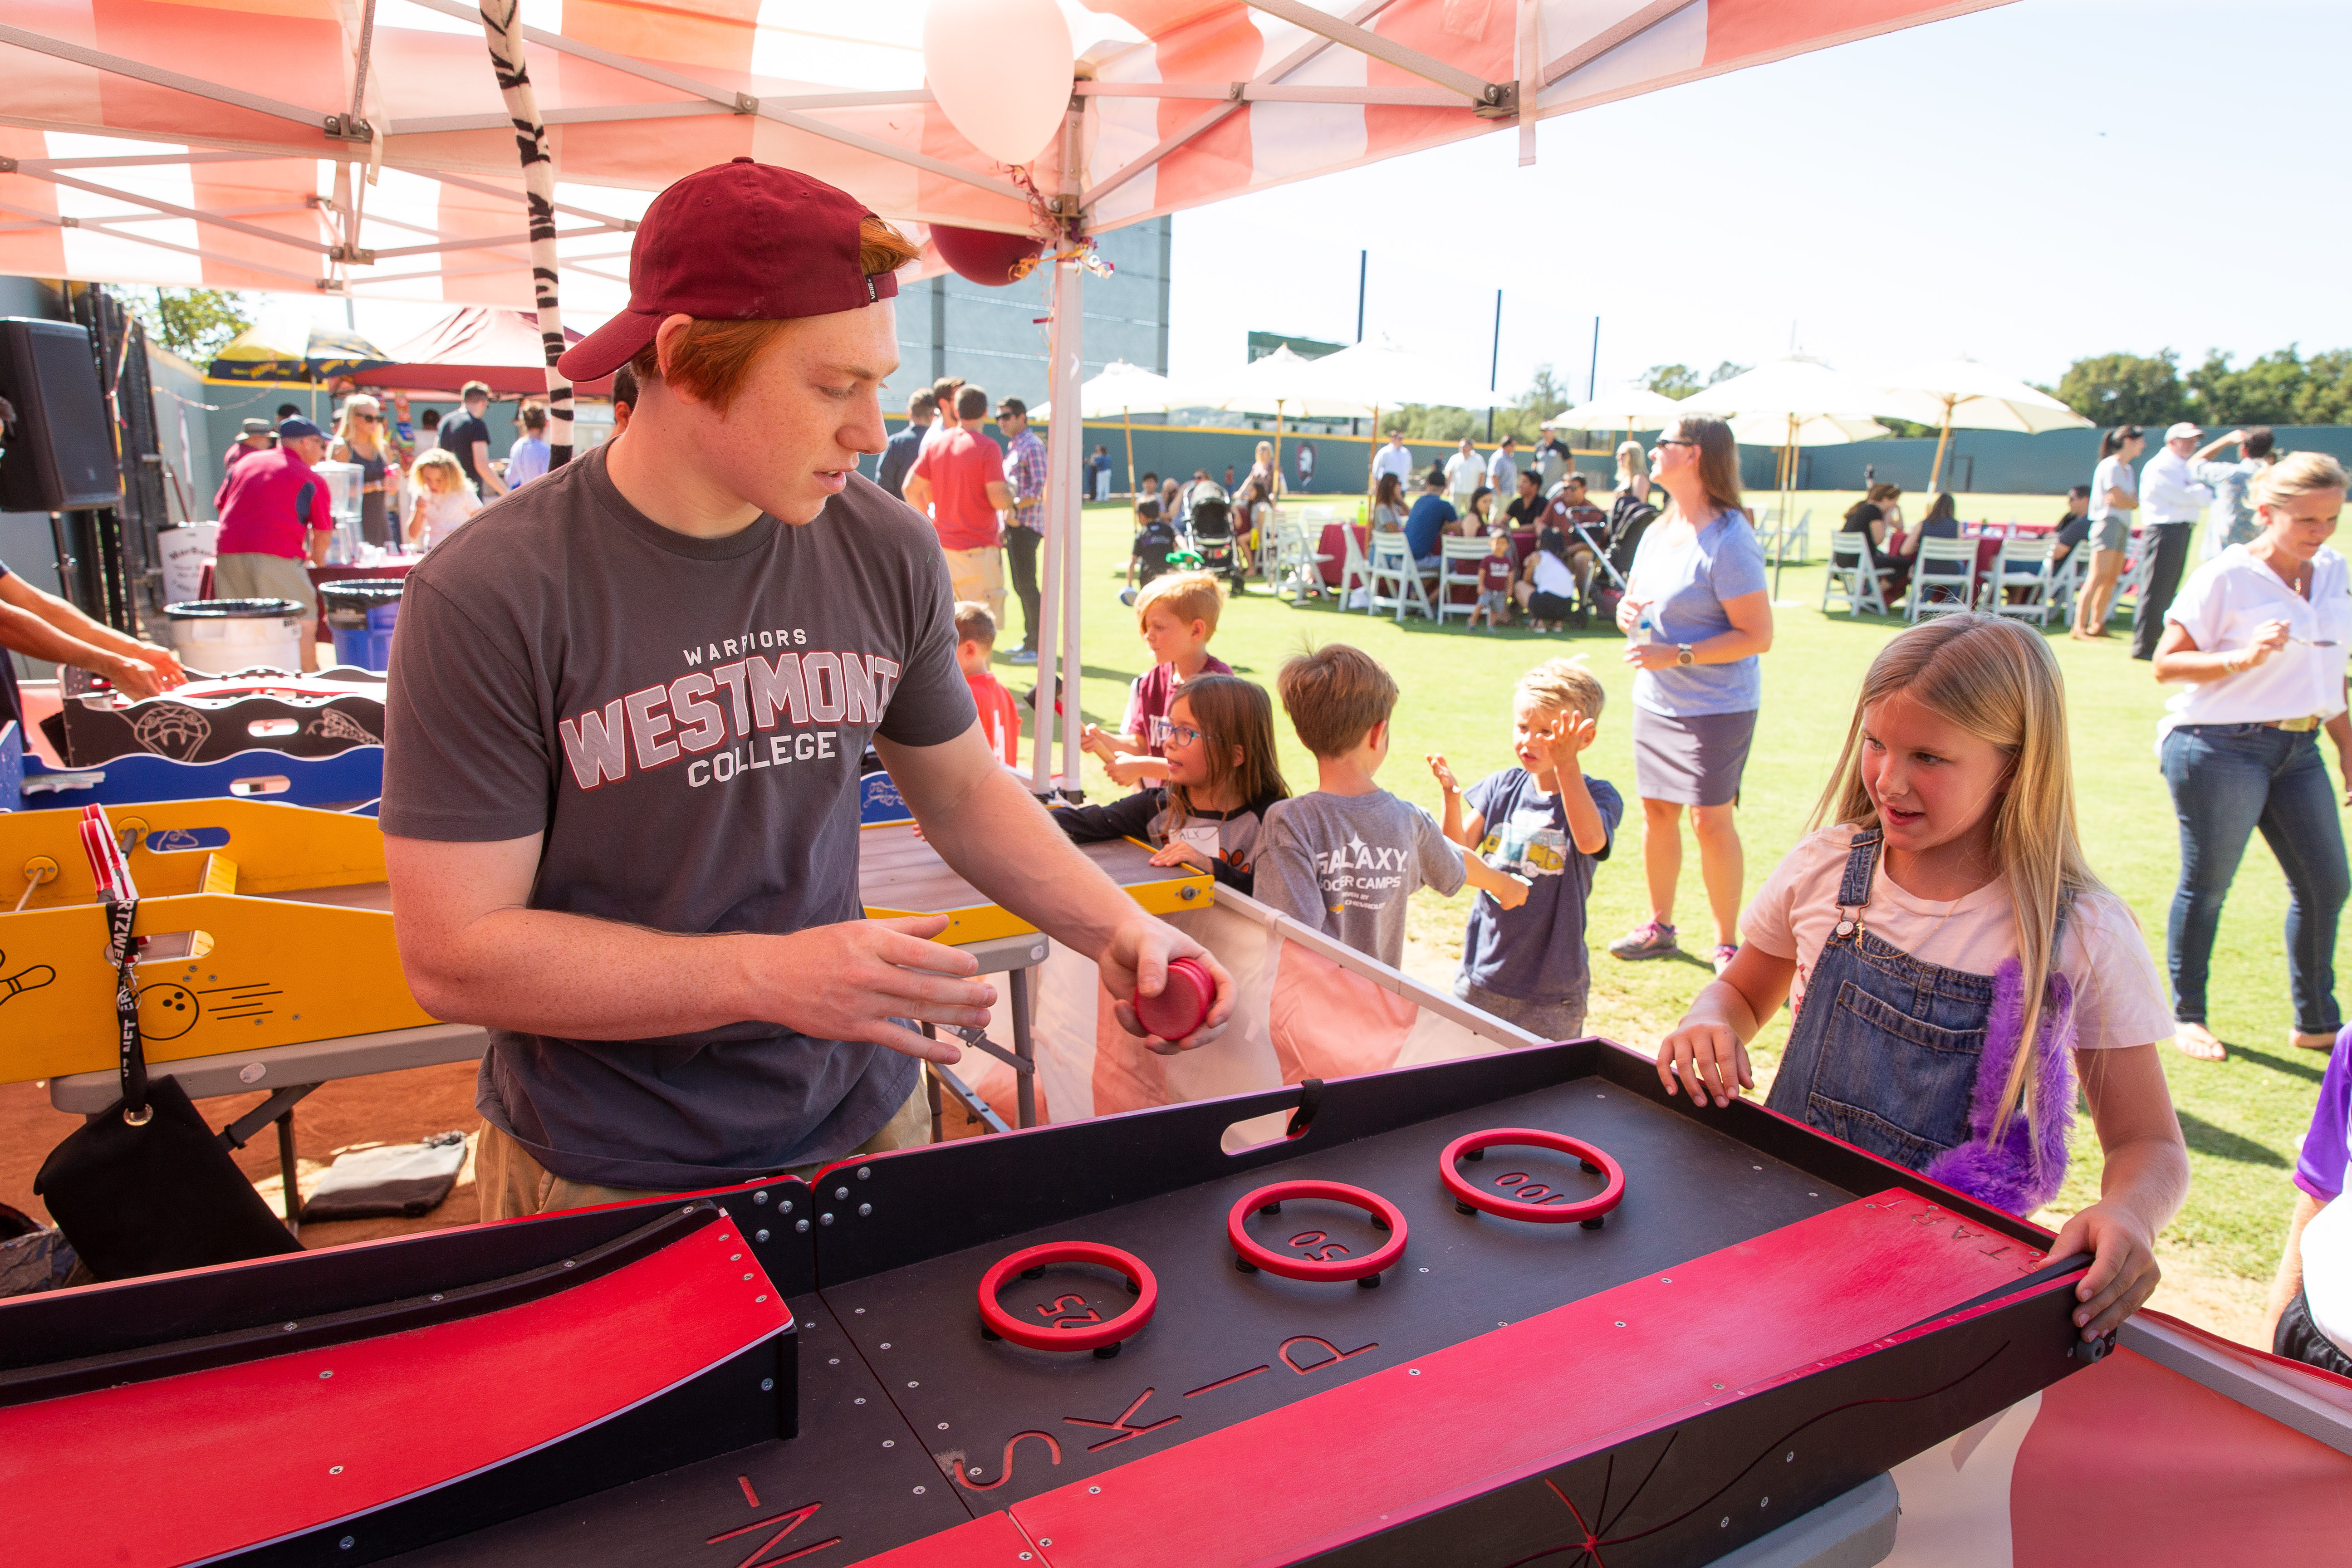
pixel 31 979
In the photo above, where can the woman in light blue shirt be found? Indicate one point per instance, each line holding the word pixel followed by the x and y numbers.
pixel 1697 613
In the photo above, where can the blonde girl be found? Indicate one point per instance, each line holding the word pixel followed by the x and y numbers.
pixel 445 498
pixel 1938 918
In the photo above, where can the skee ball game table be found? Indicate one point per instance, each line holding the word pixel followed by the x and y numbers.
pixel 1509 1309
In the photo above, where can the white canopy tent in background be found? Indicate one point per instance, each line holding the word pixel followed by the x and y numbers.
pixel 1961 392
pixel 1386 374
pixel 1796 401
pixel 1127 390
pixel 364 147
pixel 1285 385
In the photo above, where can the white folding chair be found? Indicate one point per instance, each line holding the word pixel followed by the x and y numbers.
pixel 2023 564
pixel 1943 566
pixel 1297 564
pixel 1394 569
pixel 1355 568
pixel 1798 546
pixel 1851 577
pixel 2066 580
pixel 1458 565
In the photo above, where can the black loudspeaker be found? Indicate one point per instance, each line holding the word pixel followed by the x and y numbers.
pixel 59 453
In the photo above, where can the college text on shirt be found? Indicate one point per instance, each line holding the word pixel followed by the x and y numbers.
pixel 766 710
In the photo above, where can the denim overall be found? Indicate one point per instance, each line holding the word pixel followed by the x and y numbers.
pixel 1908 1059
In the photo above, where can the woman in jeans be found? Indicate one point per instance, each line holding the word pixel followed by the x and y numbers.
pixel 1697 614
pixel 2259 636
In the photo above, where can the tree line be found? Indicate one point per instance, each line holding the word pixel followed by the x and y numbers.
pixel 2282 387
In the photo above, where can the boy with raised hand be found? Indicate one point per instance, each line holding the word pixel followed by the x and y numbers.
pixel 1344 858
pixel 1177 614
pixel 1548 821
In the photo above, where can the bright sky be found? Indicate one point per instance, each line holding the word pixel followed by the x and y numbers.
pixel 2025 186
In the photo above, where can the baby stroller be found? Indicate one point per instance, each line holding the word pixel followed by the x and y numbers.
pixel 1213 537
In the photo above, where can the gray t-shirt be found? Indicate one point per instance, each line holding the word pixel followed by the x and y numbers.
pixel 1344 865
pixel 683 720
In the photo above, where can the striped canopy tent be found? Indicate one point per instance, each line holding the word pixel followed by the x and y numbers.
pixel 367 147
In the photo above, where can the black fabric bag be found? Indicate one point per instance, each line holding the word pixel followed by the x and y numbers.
pixel 145 1186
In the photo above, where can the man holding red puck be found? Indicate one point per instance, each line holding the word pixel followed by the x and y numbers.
pixel 626 710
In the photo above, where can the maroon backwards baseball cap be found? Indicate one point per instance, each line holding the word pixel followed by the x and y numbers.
pixel 736 242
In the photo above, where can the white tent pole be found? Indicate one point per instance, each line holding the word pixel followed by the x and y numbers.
pixel 1068 365
pixel 1045 690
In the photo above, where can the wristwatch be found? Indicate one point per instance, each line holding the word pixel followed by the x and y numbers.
pixel 1682 655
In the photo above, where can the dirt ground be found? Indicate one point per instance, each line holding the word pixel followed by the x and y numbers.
pixel 403 1107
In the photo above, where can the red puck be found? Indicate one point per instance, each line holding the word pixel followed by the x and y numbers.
pixel 1183 1003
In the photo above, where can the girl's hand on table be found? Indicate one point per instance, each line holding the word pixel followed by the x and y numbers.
pixel 1704 1059
pixel 2123 1272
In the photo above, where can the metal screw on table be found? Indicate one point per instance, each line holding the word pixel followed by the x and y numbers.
pixel 944 1426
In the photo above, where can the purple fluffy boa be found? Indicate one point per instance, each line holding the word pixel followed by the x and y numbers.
pixel 2023 1170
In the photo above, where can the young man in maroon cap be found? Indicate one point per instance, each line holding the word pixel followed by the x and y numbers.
pixel 626 710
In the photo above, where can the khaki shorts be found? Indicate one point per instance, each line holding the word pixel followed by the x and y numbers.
pixel 266 577
pixel 978 576
pixel 512 1184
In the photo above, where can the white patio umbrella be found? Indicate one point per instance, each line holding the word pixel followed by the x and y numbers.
pixel 1962 394
pixel 1285 385
pixel 1797 401
pixel 1392 375
pixel 1129 390
pixel 1630 408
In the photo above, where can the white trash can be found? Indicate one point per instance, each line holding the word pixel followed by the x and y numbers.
pixel 185 550
pixel 220 636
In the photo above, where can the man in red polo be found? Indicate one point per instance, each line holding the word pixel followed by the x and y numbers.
pixel 960 479
pixel 276 518
pixel 626 710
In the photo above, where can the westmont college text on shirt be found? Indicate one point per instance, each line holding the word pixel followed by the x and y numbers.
pixel 734 710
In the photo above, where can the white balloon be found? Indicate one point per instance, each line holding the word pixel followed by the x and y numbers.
pixel 1000 70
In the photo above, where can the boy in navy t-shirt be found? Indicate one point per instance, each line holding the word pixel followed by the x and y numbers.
pixel 1546 821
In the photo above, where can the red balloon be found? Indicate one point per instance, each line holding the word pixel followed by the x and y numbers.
pixel 984 255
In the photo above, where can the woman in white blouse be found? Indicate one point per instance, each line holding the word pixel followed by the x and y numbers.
pixel 2260 635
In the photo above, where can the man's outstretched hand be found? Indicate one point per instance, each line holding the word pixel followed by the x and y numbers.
pixel 1137 960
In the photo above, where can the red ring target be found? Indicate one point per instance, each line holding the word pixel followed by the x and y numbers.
pixel 1543 1211
pixel 1292 1267
pixel 1050 1336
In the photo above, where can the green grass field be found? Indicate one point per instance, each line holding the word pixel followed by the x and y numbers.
pixel 2243 1118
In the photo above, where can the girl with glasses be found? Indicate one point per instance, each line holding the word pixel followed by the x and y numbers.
pixel 1218 740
